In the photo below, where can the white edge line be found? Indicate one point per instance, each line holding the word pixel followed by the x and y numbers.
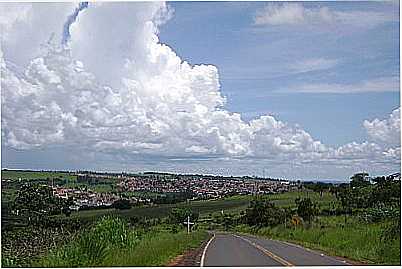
pixel 317 252
pixel 205 251
pixel 265 251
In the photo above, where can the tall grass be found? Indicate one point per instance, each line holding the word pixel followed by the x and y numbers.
pixel 92 247
pixel 158 249
pixel 356 240
pixel 110 242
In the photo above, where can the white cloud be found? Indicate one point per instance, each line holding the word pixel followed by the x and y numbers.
pixel 382 84
pixel 26 27
pixel 12 14
pixel 387 131
pixel 116 89
pixel 293 14
pixel 313 65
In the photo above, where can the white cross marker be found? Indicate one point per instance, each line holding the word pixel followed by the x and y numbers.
pixel 188 224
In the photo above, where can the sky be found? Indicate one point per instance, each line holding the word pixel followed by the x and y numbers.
pixel 300 90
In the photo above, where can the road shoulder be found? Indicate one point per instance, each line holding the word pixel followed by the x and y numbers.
pixel 308 247
pixel 190 258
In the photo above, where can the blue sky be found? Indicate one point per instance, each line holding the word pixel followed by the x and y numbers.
pixel 254 62
pixel 303 90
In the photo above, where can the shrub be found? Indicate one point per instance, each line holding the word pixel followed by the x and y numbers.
pixel 306 208
pixel 122 204
pixel 264 213
pixel 179 215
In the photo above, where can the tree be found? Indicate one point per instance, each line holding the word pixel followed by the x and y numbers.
pixel 319 187
pixel 345 199
pixel 262 212
pixel 306 208
pixel 36 201
pixel 121 204
pixel 180 214
pixel 386 191
pixel 359 180
pixel 66 211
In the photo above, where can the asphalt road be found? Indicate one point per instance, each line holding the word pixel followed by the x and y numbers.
pixel 239 250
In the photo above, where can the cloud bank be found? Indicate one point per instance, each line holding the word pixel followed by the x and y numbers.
pixel 114 88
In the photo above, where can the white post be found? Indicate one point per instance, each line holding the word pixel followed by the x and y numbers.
pixel 188 224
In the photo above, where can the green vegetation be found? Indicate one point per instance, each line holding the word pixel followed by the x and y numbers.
pixel 36 202
pixel 159 249
pixel 360 221
pixel 160 211
pixel 288 199
pixel 33 175
pixel 355 240
pixel 111 242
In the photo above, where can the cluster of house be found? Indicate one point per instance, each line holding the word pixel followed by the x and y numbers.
pixel 205 188
pixel 85 198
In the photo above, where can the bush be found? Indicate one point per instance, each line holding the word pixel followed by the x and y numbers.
pixel 380 213
pixel 306 209
pixel 264 213
pixel 179 215
pixel 122 204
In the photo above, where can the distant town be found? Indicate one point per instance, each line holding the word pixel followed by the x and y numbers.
pixel 101 190
pixel 91 190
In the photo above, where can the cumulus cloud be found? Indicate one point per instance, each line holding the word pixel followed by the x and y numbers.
pixel 115 88
pixel 387 131
pixel 153 103
pixel 12 14
pixel 293 14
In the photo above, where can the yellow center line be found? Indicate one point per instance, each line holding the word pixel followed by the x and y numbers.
pixel 267 252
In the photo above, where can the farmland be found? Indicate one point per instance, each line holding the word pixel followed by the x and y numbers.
pixel 35 175
pixel 160 211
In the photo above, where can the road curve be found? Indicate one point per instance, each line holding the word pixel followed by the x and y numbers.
pixel 239 250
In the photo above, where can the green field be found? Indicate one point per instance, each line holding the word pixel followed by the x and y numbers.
pixel 287 199
pixel 160 211
pixel 233 204
pixel 32 175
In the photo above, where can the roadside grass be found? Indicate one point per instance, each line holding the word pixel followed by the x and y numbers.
pixel 355 240
pixel 110 242
pixel 158 249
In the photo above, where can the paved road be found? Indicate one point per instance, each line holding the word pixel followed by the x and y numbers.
pixel 235 250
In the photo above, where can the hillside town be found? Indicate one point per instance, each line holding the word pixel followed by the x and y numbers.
pixel 203 188
pixel 143 188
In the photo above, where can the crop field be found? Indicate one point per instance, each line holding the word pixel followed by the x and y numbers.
pixel 158 211
pixel 32 175
pixel 233 204
pixel 287 199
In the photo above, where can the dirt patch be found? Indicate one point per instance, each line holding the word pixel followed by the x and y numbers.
pixel 191 257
